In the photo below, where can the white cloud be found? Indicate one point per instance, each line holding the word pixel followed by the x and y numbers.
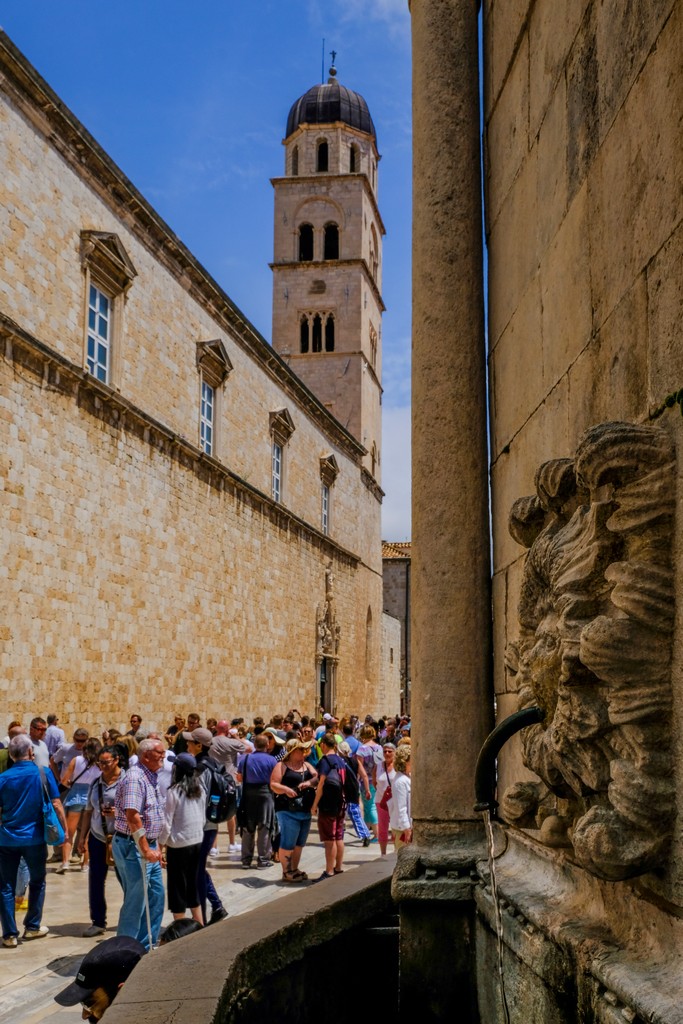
pixel 396 473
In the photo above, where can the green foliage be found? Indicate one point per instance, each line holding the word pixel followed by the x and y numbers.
pixel 675 398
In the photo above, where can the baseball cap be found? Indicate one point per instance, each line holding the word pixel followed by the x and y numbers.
pixel 203 736
pixel 106 966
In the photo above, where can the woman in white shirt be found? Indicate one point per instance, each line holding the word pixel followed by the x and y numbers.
pixel 400 818
pixel 182 834
pixel 78 775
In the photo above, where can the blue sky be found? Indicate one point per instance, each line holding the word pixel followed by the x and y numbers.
pixel 191 101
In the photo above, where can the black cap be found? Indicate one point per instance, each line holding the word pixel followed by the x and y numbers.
pixel 106 966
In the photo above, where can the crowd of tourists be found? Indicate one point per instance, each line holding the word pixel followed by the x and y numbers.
pixel 142 801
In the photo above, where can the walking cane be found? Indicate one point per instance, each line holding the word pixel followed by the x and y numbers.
pixel 143 864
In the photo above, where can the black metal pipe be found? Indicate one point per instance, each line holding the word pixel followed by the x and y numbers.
pixel 485 772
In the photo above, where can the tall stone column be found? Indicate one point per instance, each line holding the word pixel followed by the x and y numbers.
pixel 451 616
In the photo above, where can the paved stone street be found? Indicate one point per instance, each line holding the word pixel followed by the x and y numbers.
pixel 31 974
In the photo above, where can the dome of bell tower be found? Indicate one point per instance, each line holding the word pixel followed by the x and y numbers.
pixel 328 103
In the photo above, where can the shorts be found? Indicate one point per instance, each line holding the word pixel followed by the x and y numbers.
pixel 294 828
pixel 331 828
pixel 77 797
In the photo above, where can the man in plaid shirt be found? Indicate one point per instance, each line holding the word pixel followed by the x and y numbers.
pixel 139 816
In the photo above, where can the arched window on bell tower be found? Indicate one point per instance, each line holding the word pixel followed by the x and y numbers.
pixel 305 243
pixel 354 159
pixel 323 156
pixel 331 242
pixel 374 252
pixel 304 332
pixel 329 334
pixel 317 333
pixel 295 160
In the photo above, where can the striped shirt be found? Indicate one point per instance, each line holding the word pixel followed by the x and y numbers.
pixel 138 791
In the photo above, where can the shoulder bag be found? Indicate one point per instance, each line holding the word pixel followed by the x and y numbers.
pixel 52 827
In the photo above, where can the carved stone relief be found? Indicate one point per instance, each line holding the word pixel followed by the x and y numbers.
pixel 596 618
pixel 327 628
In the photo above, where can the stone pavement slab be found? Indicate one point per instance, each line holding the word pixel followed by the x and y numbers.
pixel 31 974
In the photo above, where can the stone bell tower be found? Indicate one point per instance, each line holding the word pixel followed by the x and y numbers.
pixel 327 265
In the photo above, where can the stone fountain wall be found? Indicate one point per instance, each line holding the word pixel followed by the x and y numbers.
pixel 583 113
pixel 584 220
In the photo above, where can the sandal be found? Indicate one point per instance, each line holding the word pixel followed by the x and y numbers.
pixel 300 876
pixel 291 876
pixel 339 871
pixel 324 875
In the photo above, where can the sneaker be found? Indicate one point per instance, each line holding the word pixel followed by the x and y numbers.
pixel 38 933
pixel 246 866
pixel 61 869
pixel 10 942
pixel 92 931
pixel 218 915
pixel 213 852
pixel 233 847
pixel 266 864
pixel 74 859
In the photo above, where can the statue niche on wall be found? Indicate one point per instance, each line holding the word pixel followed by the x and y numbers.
pixel 596 616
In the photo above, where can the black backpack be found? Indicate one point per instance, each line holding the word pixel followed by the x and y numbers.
pixel 221 802
pixel 351 783
pixel 333 800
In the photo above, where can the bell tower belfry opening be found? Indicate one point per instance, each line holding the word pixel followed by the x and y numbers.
pixel 327 263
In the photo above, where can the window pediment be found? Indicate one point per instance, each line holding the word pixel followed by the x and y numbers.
pixel 214 362
pixel 103 252
pixel 281 425
pixel 329 469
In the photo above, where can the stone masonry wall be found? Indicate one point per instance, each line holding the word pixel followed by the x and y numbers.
pixel 132 581
pixel 584 225
pixel 135 570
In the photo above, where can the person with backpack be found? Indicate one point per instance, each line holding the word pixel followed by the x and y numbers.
pixel 356 780
pixel 330 805
pixel 182 834
pixel 198 744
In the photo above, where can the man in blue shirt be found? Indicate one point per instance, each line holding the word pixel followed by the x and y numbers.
pixel 257 815
pixel 22 835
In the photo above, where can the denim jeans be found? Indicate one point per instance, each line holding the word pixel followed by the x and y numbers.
pixel 132 918
pixel 36 858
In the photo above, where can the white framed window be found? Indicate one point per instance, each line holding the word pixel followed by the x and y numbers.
pixel 98 346
pixel 109 274
pixel 207 418
pixel 214 368
pixel 325 509
pixel 281 429
pixel 276 471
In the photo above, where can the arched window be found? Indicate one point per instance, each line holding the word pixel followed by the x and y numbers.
pixel 317 333
pixel 331 242
pixel 329 334
pixel 368 645
pixel 354 162
pixel 306 242
pixel 374 252
pixel 374 459
pixel 304 334
pixel 295 160
pixel 323 156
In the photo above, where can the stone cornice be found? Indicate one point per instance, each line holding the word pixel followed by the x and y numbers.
pixel 76 145
pixel 57 373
